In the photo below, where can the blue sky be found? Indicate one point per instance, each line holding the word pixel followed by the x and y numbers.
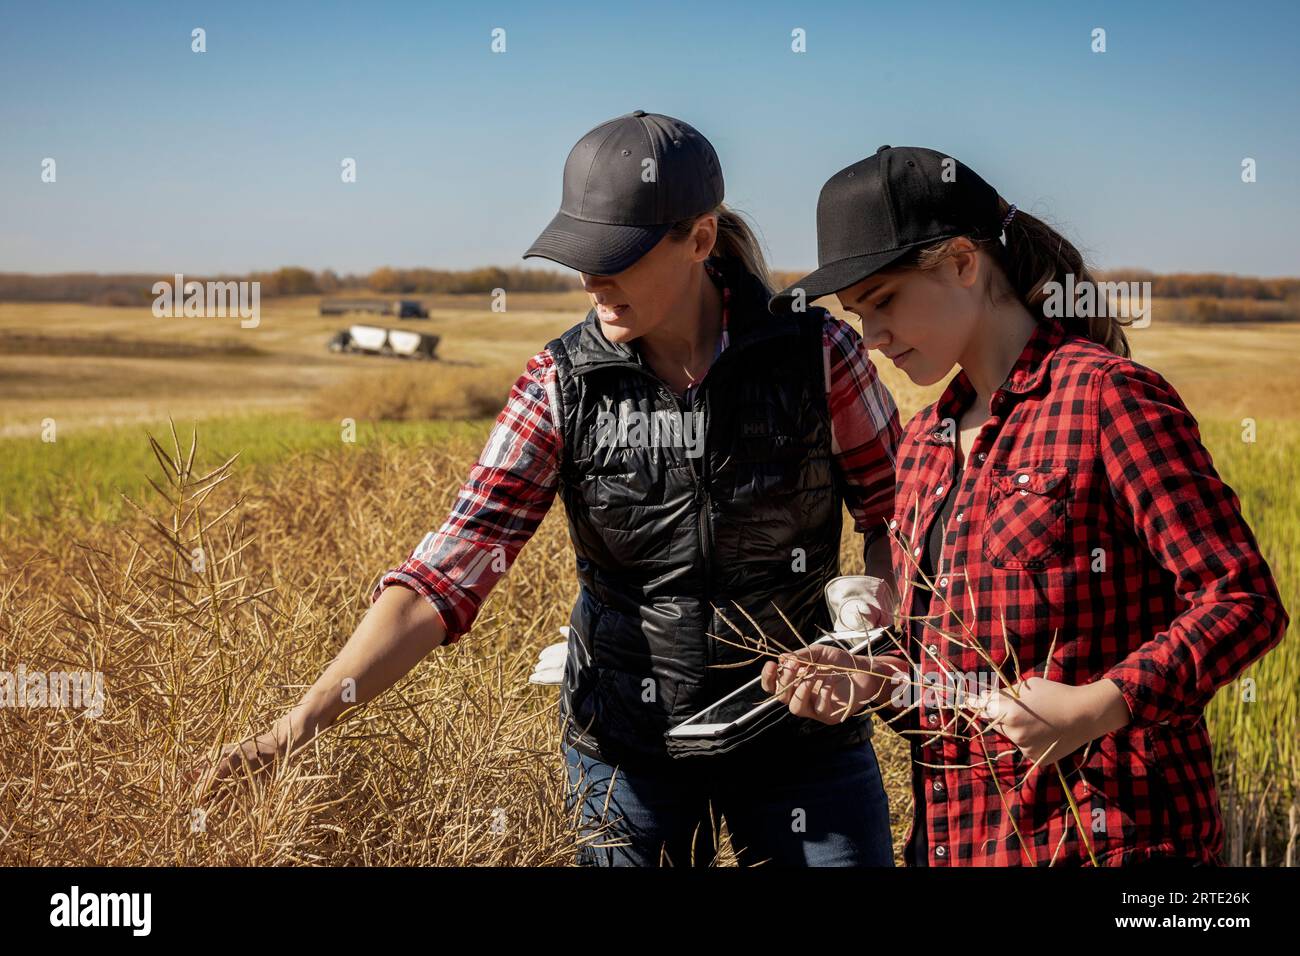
pixel 229 160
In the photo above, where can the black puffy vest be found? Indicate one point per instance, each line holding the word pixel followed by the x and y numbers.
pixel 675 552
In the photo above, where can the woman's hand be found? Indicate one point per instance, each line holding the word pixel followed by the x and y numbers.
pixel 826 683
pixel 395 633
pixel 254 756
pixel 1048 720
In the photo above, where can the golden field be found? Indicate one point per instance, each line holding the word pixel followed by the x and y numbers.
pixel 296 534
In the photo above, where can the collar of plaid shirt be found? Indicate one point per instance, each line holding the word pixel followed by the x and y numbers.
pixel 1028 374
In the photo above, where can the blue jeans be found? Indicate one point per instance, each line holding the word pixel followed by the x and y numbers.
pixel 822 810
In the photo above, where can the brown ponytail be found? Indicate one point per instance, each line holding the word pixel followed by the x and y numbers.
pixel 735 241
pixel 1035 254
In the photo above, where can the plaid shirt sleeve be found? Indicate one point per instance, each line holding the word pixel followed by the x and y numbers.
pixel 500 505
pixel 1162 477
pixel 864 428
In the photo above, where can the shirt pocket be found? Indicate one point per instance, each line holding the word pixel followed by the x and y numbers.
pixel 1028 516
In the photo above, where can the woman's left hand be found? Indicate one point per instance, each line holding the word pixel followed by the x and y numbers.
pixel 823 682
pixel 1047 720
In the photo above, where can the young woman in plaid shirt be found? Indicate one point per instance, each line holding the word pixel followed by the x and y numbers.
pixel 1077 581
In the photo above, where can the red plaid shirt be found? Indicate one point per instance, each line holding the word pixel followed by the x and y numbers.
pixel 1089 524
pixel 511 487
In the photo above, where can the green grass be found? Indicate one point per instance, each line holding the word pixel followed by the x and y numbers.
pixel 83 474
pixel 1256 747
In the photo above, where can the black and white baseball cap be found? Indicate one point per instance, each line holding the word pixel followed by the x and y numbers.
pixel 873 213
pixel 625 183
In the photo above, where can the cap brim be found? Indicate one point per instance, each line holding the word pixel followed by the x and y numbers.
pixel 835 276
pixel 595 248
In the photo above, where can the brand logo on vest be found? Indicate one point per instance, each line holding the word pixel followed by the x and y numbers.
pixel 662 428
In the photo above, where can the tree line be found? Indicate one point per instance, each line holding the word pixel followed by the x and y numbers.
pixel 1276 297
pixel 128 289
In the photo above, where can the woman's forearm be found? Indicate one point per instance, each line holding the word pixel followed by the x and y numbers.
pixel 395 634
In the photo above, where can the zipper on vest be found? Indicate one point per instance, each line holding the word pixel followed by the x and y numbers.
pixel 702 508
pixel 704 503
pixel 702 498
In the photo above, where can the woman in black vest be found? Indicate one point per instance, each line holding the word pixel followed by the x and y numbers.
pixel 704 450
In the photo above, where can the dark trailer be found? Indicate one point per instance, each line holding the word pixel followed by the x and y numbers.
pixel 402 308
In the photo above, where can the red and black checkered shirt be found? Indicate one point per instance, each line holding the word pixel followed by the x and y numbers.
pixel 1091 525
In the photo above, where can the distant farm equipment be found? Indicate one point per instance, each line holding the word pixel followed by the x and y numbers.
pixel 402 308
pixel 394 343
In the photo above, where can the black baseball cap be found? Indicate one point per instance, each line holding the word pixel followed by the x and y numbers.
pixel 625 183
pixel 873 213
